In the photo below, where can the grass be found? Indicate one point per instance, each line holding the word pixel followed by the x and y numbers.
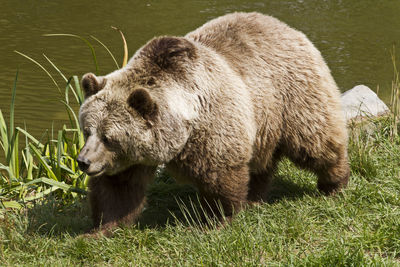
pixel 43 211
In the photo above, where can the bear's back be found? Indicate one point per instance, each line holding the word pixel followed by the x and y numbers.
pixel 251 40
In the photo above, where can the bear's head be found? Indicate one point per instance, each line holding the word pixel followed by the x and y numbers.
pixel 142 113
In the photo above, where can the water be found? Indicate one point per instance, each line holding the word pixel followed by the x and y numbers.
pixel 355 37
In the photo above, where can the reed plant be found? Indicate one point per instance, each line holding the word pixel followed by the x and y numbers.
pixel 34 169
pixel 40 168
pixel 395 97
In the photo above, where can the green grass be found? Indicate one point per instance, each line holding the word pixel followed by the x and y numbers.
pixel 297 226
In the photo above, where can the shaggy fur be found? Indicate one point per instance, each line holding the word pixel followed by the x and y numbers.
pixel 219 107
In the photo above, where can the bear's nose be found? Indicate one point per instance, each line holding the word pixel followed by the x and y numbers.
pixel 83 163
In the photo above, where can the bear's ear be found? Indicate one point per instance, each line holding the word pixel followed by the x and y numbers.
pixel 91 84
pixel 169 52
pixel 141 101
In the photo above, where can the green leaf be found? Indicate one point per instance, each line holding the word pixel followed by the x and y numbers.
pixel 33 139
pixel 10 173
pixel 41 194
pixel 78 90
pixel 11 204
pixel 4 134
pixel 27 158
pixel 43 163
pixel 54 186
pixel 14 92
pixel 59 152
pixel 14 159
pixel 81 141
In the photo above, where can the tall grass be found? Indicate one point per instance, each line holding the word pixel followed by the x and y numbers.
pixel 395 97
pixel 40 168
pixel 371 134
pixel 34 169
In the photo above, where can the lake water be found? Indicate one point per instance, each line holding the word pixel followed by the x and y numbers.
pixel 355 37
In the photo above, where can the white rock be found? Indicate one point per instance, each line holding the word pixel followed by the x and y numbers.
pixel 362 102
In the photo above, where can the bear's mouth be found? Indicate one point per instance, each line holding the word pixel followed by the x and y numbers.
pixel 96 173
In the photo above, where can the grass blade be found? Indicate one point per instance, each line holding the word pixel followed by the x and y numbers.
pixel 59 152
pixel 62 185
pixel 73 114
pixel 68 81
pixel 14 155
pixel 4 134
pixel 108 50
pixel 43 163
pixel 55 185
pixel 395 97
pixel 41 194
pixel 14 92
pixel 33 139
pixel 55 67
pixel 11 204
pixel 10 174
pixel 84 40
pixel 78 90
pixel 28 160
pixel 43 68
pixel 65 168
pixel 81 140
pixel 125 60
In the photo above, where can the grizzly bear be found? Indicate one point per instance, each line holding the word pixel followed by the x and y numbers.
pixel 218 108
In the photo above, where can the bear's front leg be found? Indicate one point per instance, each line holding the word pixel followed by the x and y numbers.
pixel 228 187
pixel 118 199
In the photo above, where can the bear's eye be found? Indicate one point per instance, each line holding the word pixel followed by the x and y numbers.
pixel 86 132
pixel 151 81
pixel 105 140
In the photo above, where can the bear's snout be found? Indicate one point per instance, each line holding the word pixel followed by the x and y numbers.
pixel 83 163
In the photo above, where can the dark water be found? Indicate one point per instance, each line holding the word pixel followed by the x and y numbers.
pixel 354 36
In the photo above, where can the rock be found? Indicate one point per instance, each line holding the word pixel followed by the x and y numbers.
pixel 360 102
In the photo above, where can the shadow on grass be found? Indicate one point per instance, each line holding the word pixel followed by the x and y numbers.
pixel 53 217
pixel 284 187
pixel 165 200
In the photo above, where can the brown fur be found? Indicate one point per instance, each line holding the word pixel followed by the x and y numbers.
pixel 119 199
pixel 219 107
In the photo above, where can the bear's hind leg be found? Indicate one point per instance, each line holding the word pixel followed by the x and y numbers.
pixel 259 186
pixel 333 177
pixel 260 182
pixel 333 171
